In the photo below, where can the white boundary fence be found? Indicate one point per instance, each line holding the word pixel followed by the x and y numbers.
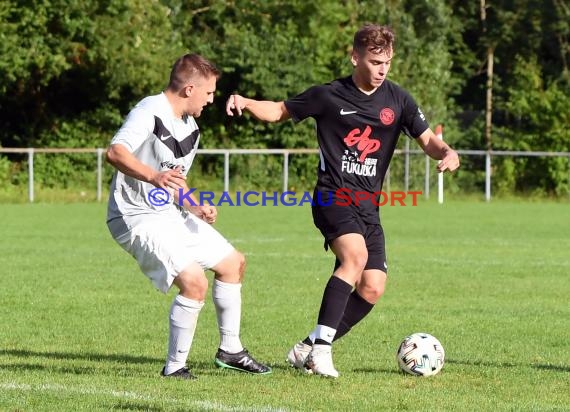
pixel 286 153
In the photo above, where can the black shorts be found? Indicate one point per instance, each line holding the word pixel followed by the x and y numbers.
pixel 334 221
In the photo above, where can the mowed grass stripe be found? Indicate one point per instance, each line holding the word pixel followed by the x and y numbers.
pixel 67 390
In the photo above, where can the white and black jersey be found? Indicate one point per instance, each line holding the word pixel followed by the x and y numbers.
pixel 158 139
pixel 357 133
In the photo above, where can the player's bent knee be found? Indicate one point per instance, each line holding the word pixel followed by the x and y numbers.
pixel 192 283
pixel 356 262
pixel 375 292
pixel 231 269
pixel 372 286
pixel 371 294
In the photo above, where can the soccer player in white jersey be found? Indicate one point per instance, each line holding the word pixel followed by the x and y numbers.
pixel 171 238
pixel 359 120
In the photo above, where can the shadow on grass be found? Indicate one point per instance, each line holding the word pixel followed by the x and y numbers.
pixel 281 366
pixel 556 368
pixel 122 358
pixel 118 364
pixel 134 406
pixel 75 370
pixel 550 367
pixel 376 371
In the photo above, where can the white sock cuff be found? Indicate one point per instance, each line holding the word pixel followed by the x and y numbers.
pixel 325 333
pixel 187 303
pixel 223 287
pixel 313 335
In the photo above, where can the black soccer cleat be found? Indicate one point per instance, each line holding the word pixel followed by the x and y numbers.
pixel 182 373
pixel 241 361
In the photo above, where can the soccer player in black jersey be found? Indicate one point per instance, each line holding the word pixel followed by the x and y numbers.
pixel 359 119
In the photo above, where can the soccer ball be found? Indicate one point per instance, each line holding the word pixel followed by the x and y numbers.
pixel 420 354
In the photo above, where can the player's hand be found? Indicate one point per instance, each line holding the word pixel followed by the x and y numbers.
pixel 208 213
pixel 170 180
pixel 235 102
pixel 449 163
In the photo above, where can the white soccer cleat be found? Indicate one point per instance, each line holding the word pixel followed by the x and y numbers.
pixel 297 356
pixel 320 361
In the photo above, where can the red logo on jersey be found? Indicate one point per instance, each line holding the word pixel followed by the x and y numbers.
pixel 387 116
pixel 364 143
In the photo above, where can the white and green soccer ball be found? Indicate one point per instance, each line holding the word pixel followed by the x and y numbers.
pixel 421 354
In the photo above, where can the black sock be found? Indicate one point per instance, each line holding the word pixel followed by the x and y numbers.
pixel 356 309
pixel 335 298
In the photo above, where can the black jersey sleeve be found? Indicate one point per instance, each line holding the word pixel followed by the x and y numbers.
pixel 306 104
pixel 414 122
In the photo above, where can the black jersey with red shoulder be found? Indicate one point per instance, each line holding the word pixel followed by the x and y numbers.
pixel 357 133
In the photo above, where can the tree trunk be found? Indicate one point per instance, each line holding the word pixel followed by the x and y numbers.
pixel 489 100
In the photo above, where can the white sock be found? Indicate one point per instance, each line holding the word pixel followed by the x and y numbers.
pixel 313 335
pixel 183 318
pixel 227 300
pixel 325 333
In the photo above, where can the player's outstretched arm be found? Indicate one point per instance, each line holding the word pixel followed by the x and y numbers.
pixel 439 150
pixel 264 110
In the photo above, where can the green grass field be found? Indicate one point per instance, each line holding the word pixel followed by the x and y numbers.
pixel 83 330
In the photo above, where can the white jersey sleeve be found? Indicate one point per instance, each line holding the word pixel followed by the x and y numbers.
pixel 137 128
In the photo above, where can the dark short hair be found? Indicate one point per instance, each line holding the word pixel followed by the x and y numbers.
pixel 374 38
pixel 189 66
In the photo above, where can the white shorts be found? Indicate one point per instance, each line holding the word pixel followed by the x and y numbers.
pixel 166 244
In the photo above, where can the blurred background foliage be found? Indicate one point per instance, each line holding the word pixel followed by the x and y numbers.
pixel 71 70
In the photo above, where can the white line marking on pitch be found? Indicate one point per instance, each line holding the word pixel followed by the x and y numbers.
pixel 205 405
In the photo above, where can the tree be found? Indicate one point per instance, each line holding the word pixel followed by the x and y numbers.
pixel 72 68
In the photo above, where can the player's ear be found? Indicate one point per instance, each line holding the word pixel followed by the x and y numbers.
pixel 188 90
pixel 353 58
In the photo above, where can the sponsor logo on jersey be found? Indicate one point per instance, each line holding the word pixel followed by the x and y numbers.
pixel 355 168
pixel 360 164
pixel 350 164
pixel 170 165
pixel 363 142
pixel 387 116
pixel 345 112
